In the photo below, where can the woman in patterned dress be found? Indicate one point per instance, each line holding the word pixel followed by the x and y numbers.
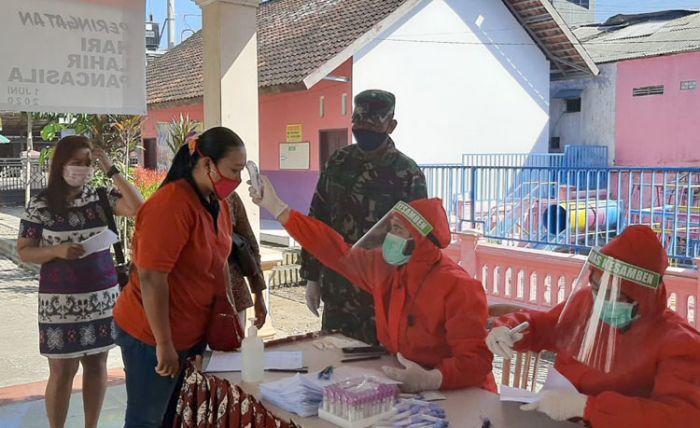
pixel 240 290
pixel 77 291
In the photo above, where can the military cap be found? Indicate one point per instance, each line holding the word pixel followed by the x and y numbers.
pixel 373 107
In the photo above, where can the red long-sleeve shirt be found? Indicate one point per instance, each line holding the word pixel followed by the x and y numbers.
pixel 659 385
pixel 430 310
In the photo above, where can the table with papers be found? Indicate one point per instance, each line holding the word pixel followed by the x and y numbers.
pixel 465 408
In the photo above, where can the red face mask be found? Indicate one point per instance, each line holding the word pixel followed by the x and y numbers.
pixel 223 187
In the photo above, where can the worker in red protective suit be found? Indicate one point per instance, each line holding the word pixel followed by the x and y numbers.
pixel 429 310
pixel 634 362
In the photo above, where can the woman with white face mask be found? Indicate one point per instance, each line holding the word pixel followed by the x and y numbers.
pixel 77 291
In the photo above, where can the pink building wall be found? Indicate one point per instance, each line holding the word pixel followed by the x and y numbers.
pixel 277 111
pixel 658 130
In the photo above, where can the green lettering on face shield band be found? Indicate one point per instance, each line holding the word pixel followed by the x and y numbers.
pixel 393 250
pixel 624 270
pixel 617 314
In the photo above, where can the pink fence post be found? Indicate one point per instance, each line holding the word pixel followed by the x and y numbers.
pixel 468 259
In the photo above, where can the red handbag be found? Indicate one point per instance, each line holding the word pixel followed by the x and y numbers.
pixel 224 332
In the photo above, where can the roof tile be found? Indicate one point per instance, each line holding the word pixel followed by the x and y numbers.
pixel 295 37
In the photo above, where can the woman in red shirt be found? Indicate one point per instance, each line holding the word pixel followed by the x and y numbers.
pixel 181 245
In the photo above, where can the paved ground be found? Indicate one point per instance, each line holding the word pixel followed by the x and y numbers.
pixel 21 364
pixel 31 414
pixel 9 221
pixel 20 361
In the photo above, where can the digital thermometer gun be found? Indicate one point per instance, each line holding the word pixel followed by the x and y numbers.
pixel 255 180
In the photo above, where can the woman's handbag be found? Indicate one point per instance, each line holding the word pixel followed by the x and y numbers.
pixel 242 256
pixel 224 332
pixel 123 268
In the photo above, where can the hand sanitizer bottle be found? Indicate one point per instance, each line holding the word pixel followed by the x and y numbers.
pixel 253 356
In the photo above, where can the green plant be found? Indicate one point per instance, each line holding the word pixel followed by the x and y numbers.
pixel 126 136
pixel 180 129
pixel 45 156
pixel 50 131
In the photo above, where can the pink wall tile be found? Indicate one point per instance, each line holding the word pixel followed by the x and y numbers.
pixel 303 107
pixel 658 130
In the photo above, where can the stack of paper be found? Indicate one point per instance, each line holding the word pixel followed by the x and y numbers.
pixel 298 394
pixel 302 394
pixel 555 382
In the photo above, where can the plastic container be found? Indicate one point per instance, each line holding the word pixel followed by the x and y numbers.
pixel 357 402
pixel 253 353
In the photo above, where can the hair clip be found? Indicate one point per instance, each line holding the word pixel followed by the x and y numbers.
pixel 191 142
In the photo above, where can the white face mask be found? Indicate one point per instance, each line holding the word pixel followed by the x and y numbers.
pixel 77 176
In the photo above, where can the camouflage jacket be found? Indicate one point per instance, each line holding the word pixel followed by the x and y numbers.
pixel 353 193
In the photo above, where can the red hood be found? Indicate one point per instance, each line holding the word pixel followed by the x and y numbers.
pixel 434 213
pixel 638 245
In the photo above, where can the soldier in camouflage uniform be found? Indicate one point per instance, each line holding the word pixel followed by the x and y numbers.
pixel 360 184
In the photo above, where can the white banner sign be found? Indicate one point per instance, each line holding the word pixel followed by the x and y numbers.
pixel 73 56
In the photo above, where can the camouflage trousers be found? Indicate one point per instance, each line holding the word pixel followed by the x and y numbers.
pixel 347 309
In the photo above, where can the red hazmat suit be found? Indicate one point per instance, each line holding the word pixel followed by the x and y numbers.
pixel 657 379
pixel 430 310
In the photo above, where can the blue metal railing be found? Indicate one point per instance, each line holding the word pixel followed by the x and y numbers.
pixel 574 156
pixel 513 159
pixel 571 209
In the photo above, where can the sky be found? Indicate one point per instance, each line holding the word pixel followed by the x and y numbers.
pixel 189 14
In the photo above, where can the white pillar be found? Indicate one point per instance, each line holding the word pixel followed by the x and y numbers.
pixel 28 171
pixel 171 24
pixel 231 77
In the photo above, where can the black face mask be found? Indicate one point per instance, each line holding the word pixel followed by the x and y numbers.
pixel 369 140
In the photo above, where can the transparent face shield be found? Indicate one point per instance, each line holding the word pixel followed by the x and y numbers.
pixel 611 301
pixel 396 234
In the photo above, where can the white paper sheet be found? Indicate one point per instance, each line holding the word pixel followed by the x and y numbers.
pixel 555 382
pixel 99 242
pixel 233 361
pixel 518 395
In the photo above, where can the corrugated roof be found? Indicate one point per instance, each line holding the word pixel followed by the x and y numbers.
pixel 639 36
pixel 548 29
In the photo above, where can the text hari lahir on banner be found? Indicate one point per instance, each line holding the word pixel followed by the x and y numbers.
pixel 73 56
